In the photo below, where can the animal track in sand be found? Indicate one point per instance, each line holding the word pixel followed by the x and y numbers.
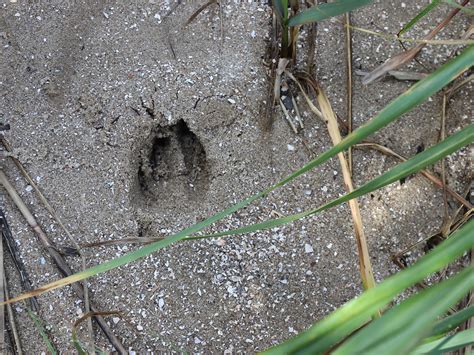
pixel 172 165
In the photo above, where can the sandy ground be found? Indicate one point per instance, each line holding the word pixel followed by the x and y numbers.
pixel 134 125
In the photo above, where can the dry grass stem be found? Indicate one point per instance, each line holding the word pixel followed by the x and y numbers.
pixel 333 129
pixel 288 117
pixel 404 57
pixel 399 75
pixel 11 320
pixel 426 173
pixel 16 259
pixel 53 213
pixel 198 11
pixel 56 256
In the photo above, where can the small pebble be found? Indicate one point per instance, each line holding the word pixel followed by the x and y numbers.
pixel 161 303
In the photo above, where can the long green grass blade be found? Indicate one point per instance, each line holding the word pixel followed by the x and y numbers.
pixel 447 344
pixel 39 325
pixel 409 99
pixel 425 11
pixel 326 10
pixel 404 326
pixel 451 322
pixel 413 165
pixel 281 8
pixel 341 323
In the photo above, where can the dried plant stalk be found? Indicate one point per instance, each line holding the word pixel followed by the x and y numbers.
pixel 57 257
pixel 366 272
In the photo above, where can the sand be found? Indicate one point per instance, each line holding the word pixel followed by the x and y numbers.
pixel 135 125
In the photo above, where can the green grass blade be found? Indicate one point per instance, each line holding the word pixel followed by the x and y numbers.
pixel 281 8
pixel 324 11
pixel 451 322
pixel 409 99
pixel 339 324
pixel 413 165
pixel 39 325
pixel 425 11
pixel 404 326
pixel 447 344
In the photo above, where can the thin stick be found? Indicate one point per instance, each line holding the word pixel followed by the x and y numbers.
pixel 198 11
pixel 455 88
pixel 53 213
pixel 426 173
pixel 297 111
pixel 17 262
pixel 288 118
pixel 272 57
pixel 57 257
pixel 329 117
pixel 11 320
pixel 312 32
pixel 349 84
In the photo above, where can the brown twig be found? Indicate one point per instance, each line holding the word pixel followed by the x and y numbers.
pixel 17 262
pixel 61 264
pixel 364 259
pixel 198 11
pixel 53 213
pixel 426 173
pixel 312 33
pixel 329 117
pixel 11 321
pixel 272 58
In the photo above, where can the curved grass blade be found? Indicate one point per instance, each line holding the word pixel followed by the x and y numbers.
pixel 425 11
pixel 405 102
pixel 339 324
pixel 404 326
pixel 413 165
pixel 451 322
pixel 447 344
pixel 324 11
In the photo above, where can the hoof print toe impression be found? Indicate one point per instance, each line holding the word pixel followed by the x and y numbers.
pixel 172 165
